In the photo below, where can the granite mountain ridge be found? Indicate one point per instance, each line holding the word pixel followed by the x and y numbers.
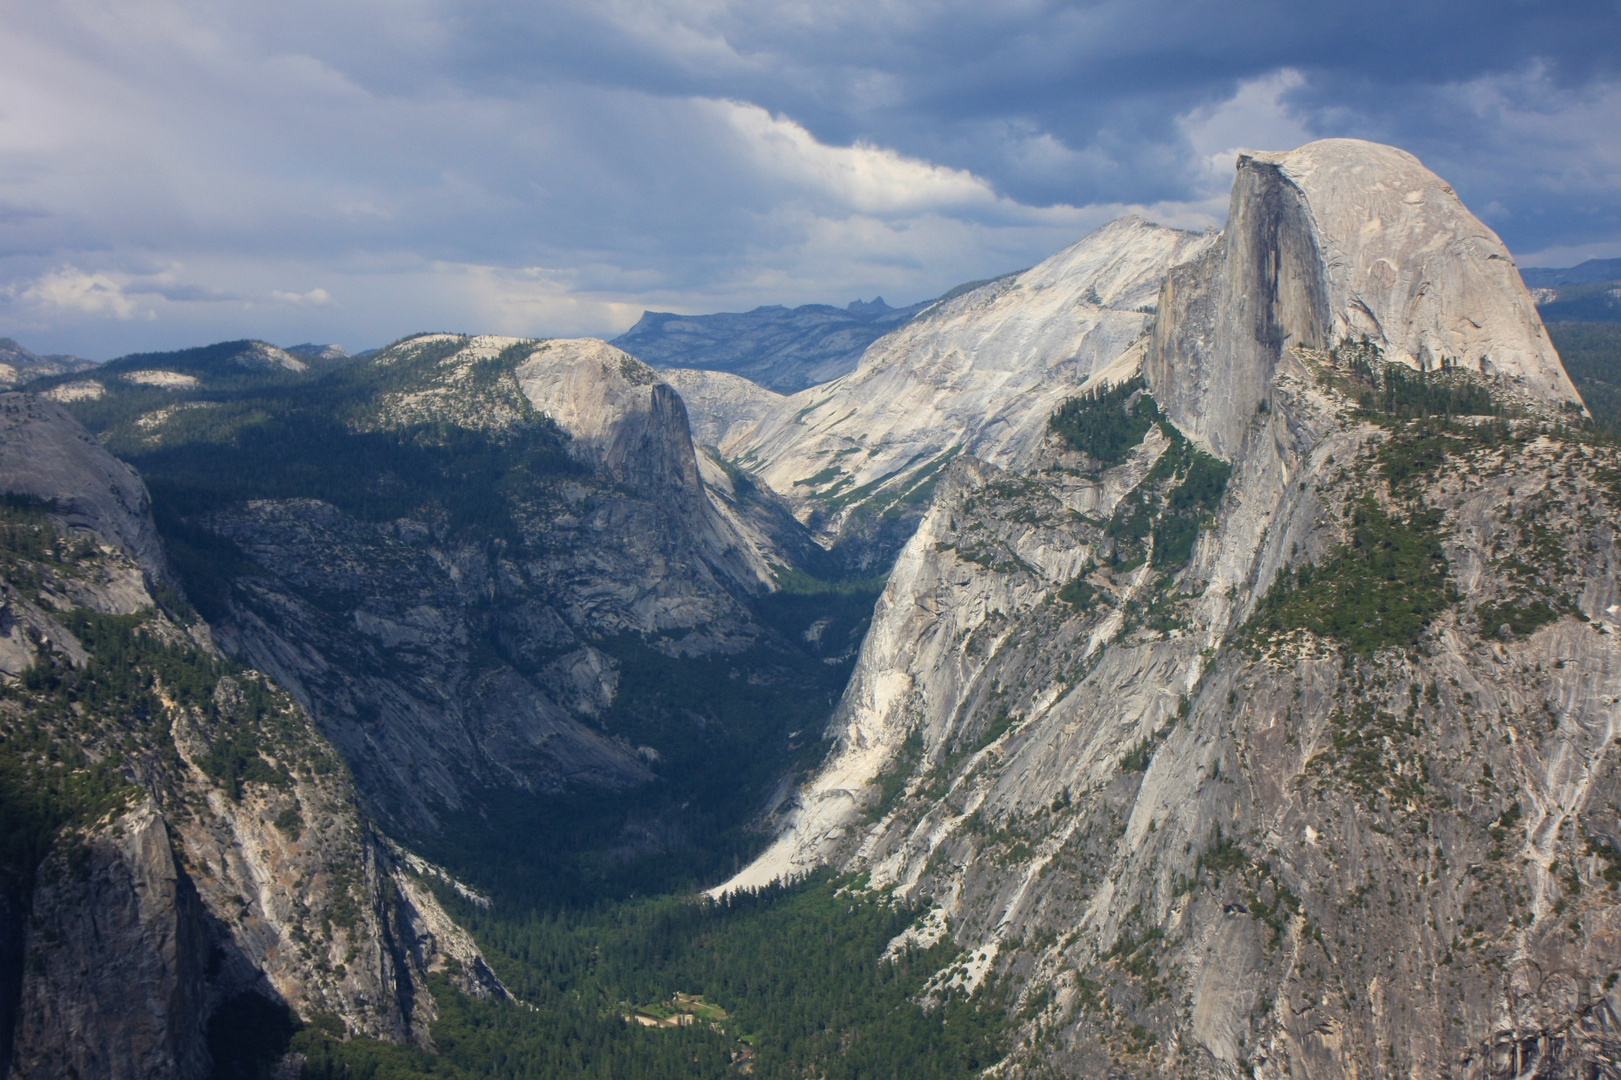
pixel 1240 691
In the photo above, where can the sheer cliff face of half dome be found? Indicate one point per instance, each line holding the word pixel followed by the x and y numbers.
pixel 1343 239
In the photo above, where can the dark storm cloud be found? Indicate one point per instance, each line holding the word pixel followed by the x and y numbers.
pixel 172 170
pixel 940 80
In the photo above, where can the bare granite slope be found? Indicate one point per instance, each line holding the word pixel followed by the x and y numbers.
pixel 1294 760
pixel 976 374
pixel 46 455
pixel 1342 239
pixel 210 849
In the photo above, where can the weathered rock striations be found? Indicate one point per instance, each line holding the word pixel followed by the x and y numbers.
pixel 1342 239
pixel 463 641
pixel 194 843
pixel 1306 768
pixel 976 374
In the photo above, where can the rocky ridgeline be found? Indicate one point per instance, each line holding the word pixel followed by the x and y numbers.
pixel 445 657
pixel 19 365
pixel 1241 699
pixel 858 457
pixel 1262 718
pixel 542 503
pixel 181 842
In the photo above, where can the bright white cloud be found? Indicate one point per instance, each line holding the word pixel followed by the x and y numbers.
pixel 74 292
pixel 314 296
pixel 1256 117
pixel 871 179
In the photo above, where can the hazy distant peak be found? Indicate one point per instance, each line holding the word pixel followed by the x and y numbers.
pixel 312 351
pixel 875 306
pixel 1588 292
pixel 19 365
pixel 1591 272
pixel 784 349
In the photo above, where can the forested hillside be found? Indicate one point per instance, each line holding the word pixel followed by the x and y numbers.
pixel 1591 352
pixel 330 489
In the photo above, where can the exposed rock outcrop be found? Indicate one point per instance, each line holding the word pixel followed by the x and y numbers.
pixel 464 641
pixel 1342 239
pixel 48 456
pixel 373 630
pixel 1269 798
pixel 118 953
pixel 721 407
pixel 979 374
pixel 179 836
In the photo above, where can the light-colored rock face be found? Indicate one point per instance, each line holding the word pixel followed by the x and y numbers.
pixel 721 407
pixel 624 417
pixel 978 374
pixel 80 390
pixel 588 388
pixel 164 380
pixel 1343 239
pixel 1278 855
pixel 619 414
pixel 1409 266
pixel 260 355
pixel 48 456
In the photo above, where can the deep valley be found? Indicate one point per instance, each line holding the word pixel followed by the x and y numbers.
pixel 1195 655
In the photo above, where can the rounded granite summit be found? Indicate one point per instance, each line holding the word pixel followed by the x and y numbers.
pixel 1407 265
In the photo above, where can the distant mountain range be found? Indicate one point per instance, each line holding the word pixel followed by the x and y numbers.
pixel 18 365
pixel 1591 272
pixel 783 349
pixel 1589 292
pixel 1195 655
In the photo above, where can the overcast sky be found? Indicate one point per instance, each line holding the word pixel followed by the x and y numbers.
pixel 174 172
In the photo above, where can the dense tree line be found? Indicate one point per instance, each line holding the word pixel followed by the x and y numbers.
pixel 799 974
